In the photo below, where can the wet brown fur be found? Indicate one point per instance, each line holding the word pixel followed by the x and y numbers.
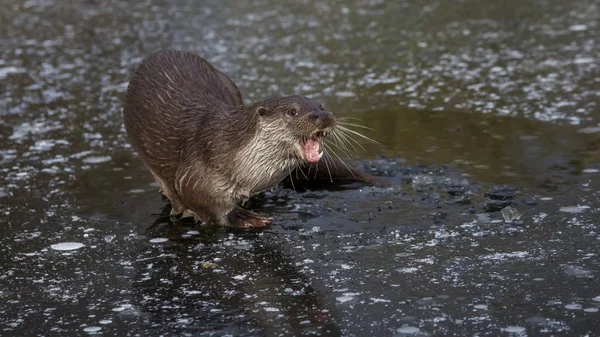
pixel 207 150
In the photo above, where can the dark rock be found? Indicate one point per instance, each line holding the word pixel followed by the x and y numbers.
pixel 501 193
pixel 495 205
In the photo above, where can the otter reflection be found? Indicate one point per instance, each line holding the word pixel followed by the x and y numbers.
pixel 218 282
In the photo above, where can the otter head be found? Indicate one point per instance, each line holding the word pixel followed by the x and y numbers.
pixel 300 122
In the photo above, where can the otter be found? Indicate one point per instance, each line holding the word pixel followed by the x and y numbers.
pixel 207 150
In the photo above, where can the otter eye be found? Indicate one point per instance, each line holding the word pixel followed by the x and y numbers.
pixel 262 111
pixel 321 107
pixel 293 112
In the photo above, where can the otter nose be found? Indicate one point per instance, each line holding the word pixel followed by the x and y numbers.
pixel 322 119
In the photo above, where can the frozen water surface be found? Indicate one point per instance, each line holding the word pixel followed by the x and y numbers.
pixel 487 115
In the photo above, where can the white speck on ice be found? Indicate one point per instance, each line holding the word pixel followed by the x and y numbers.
pixel 597 299
pixel 573 209
pixel 407 270
pixel 538 218
pixel 239 277
pixel 343 299
pixel 11 70
pixel 591 171
pixel 409 330
pixel 346 266
pixel 480 306
pixel 504 256
pixel 573 306
pixel 584 60
pixel 192 292
pixel 67 246
pixel 379 300
pixel 105 321
pixel 159 240
pixel 591 129
pixel 80 154
pixel 345 94
pixel 97 160
pixel 546 198
pixel 593 309
pixel 122 307
pixel 137 190
pixel 92 328
pixel 271 309
pixel 346 297
pixel 577 28
pixel 514 329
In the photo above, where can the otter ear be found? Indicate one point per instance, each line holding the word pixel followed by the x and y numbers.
pixel 261 110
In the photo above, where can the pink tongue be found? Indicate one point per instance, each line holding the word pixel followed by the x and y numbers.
pixel 311 151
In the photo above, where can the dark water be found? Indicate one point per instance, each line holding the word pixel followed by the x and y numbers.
pixel 477 105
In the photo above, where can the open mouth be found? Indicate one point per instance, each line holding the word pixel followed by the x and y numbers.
pixel 311 149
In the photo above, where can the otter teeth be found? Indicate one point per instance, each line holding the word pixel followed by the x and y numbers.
pixel 320 154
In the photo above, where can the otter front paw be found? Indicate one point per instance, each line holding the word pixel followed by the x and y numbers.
pixel 241 218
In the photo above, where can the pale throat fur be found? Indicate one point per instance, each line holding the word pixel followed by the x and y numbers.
pixel 267 158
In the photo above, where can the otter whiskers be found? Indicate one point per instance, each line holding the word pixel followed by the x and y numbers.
pixel 344 141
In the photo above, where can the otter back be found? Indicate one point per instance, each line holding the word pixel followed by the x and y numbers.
pixel 161 86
